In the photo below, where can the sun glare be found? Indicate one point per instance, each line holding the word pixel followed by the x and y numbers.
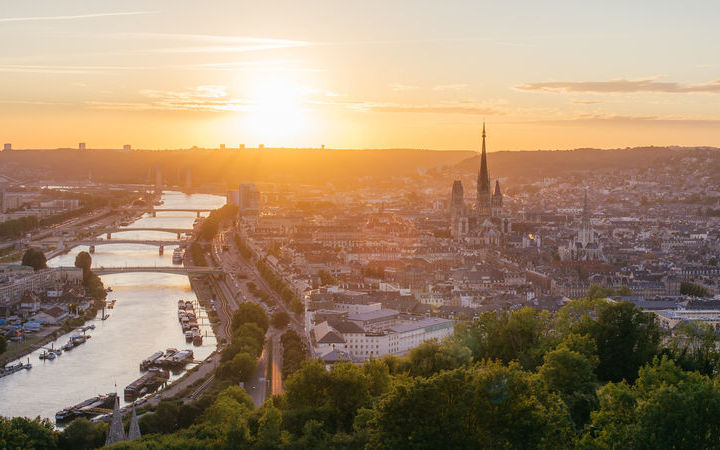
pixel 276 110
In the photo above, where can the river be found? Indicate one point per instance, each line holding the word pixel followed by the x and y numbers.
pixel 143 321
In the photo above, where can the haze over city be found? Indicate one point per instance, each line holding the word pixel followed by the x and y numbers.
pixel 374 74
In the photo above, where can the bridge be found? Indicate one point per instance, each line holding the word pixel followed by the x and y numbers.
pixel 109 231
pixel 94 242
pixel 197 211
pixel 180 270
pixel 122 230
pixel 61 243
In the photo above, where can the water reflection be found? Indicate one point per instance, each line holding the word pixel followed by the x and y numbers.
pixel 143 322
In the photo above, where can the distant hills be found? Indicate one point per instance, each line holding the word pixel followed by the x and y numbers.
pixel 315 165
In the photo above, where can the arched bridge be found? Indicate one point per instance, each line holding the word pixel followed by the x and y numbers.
pixel 180 270
pixel 122 230
pixel 197 211
pixel 95 242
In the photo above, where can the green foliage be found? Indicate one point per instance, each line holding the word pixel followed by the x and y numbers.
pixel 81 434
pixel 294 352
pixel 22 433
pixel 83 260
pixel 326 278
pixel 626 339
pixel 485 406
pixel 693 346
pixel 687 288
pixel 432 357
pixel 94 286
pixel 163 420
pixel 279 286
pixel 332 397
pixel 525 379
pixel 280 319
pixel 34 258
pixel 14 228
pixel 250 313
pixel 571 374
pixel 240 368
pixel 242 247
pixel 522 336
pixel 597 292
pixel 665 408
pixel 210 225
pixel 197 254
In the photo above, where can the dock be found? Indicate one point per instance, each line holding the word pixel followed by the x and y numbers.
pixel 149 382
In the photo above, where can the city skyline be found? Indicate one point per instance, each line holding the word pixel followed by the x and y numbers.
pixel 411 75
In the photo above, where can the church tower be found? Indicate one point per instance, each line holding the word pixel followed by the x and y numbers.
pixel 484 197
pixel 497 201
pixel 585 232
pixel 457 199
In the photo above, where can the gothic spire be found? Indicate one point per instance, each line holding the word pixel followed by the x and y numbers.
pixel 116 432
pixel 483 177
pixel 586 211
pixel 134 430
pixel 497 188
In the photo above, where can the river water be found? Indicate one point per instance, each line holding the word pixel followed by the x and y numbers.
pixel 143 321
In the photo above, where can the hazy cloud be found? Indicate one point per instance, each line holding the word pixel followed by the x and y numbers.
pixel 209 98
pixel 621 85
pixel 81 16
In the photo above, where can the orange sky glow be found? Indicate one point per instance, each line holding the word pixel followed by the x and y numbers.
pixel 374 74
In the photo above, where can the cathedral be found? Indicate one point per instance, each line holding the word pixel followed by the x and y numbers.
pixel 583 247
pixel 487 223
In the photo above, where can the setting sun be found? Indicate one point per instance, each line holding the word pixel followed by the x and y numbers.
pixel 275 110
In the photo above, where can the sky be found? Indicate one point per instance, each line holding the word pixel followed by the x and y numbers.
pixel 359 74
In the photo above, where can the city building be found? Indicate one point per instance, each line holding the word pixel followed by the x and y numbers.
pixel 246 198
pixel 487 224
pixel 583 247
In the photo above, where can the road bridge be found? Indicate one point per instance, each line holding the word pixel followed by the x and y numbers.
pixel 197 211
pixel 180 270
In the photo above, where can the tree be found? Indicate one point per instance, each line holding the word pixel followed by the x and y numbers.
pixel 523 336
pixel 163 420
pixel 626 339
pixel 693 346
pixel 243 365
pixel 83 260
pixel 280 319
pixel 3 344
pixel 21 432
pixel 81 434
pixel 34 258
pixel 484 406
pixel 250 312
pixel 694 290
pixel 431 357
pixel 572 375
pixel 269 435
pixel 665 408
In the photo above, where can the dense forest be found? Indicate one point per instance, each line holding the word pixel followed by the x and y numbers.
pixel 596 374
